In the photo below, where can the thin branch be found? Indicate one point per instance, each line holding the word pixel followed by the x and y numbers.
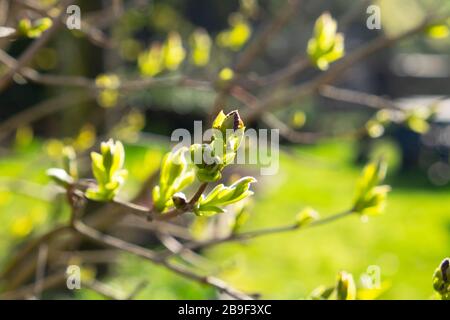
pixel 139 287
pixel 104 290
pixel 357 97
pixel 189 256
pixel 137 209
pixel 113 241
pixel 199 193
pixel 40 270
pixel 90 256
pixel 168 228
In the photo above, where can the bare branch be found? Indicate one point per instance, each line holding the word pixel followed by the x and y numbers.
pixel 40 270
pixel 357 97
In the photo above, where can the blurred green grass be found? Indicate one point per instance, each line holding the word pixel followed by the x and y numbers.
pixel 407 242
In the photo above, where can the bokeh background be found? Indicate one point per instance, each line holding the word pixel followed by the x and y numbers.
pixel 407 242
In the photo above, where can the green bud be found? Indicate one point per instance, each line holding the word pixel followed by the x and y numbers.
pixel 383 116
pixel 441 279
pixel 179 200
pixel 326 45
pixel 34 29
pixel 208 165
pixel 375 129
pixel 325 30
pixel 230 131
pixel 307 216
pixel 231 121
pixel 345 287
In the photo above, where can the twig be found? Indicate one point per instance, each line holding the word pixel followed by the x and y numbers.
pixel 234 237
pixel 140 286
pixel 168 228
pixel 40 270
pixel 199 193
pixel 176 247
pixel 91 256
pixel 151 214
pixel 103 289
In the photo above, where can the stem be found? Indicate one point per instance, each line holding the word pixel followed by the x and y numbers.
pixel 198 194
pixel 136 208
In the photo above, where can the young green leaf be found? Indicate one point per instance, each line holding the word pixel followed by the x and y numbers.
pixel 210 159
pixel 221 196
pixel 200 42
pixel 326 46
pixel 60 177
pixel 370 196
pixel 108 171
pixel 66 176
pixel 34 29
pixel 175 175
